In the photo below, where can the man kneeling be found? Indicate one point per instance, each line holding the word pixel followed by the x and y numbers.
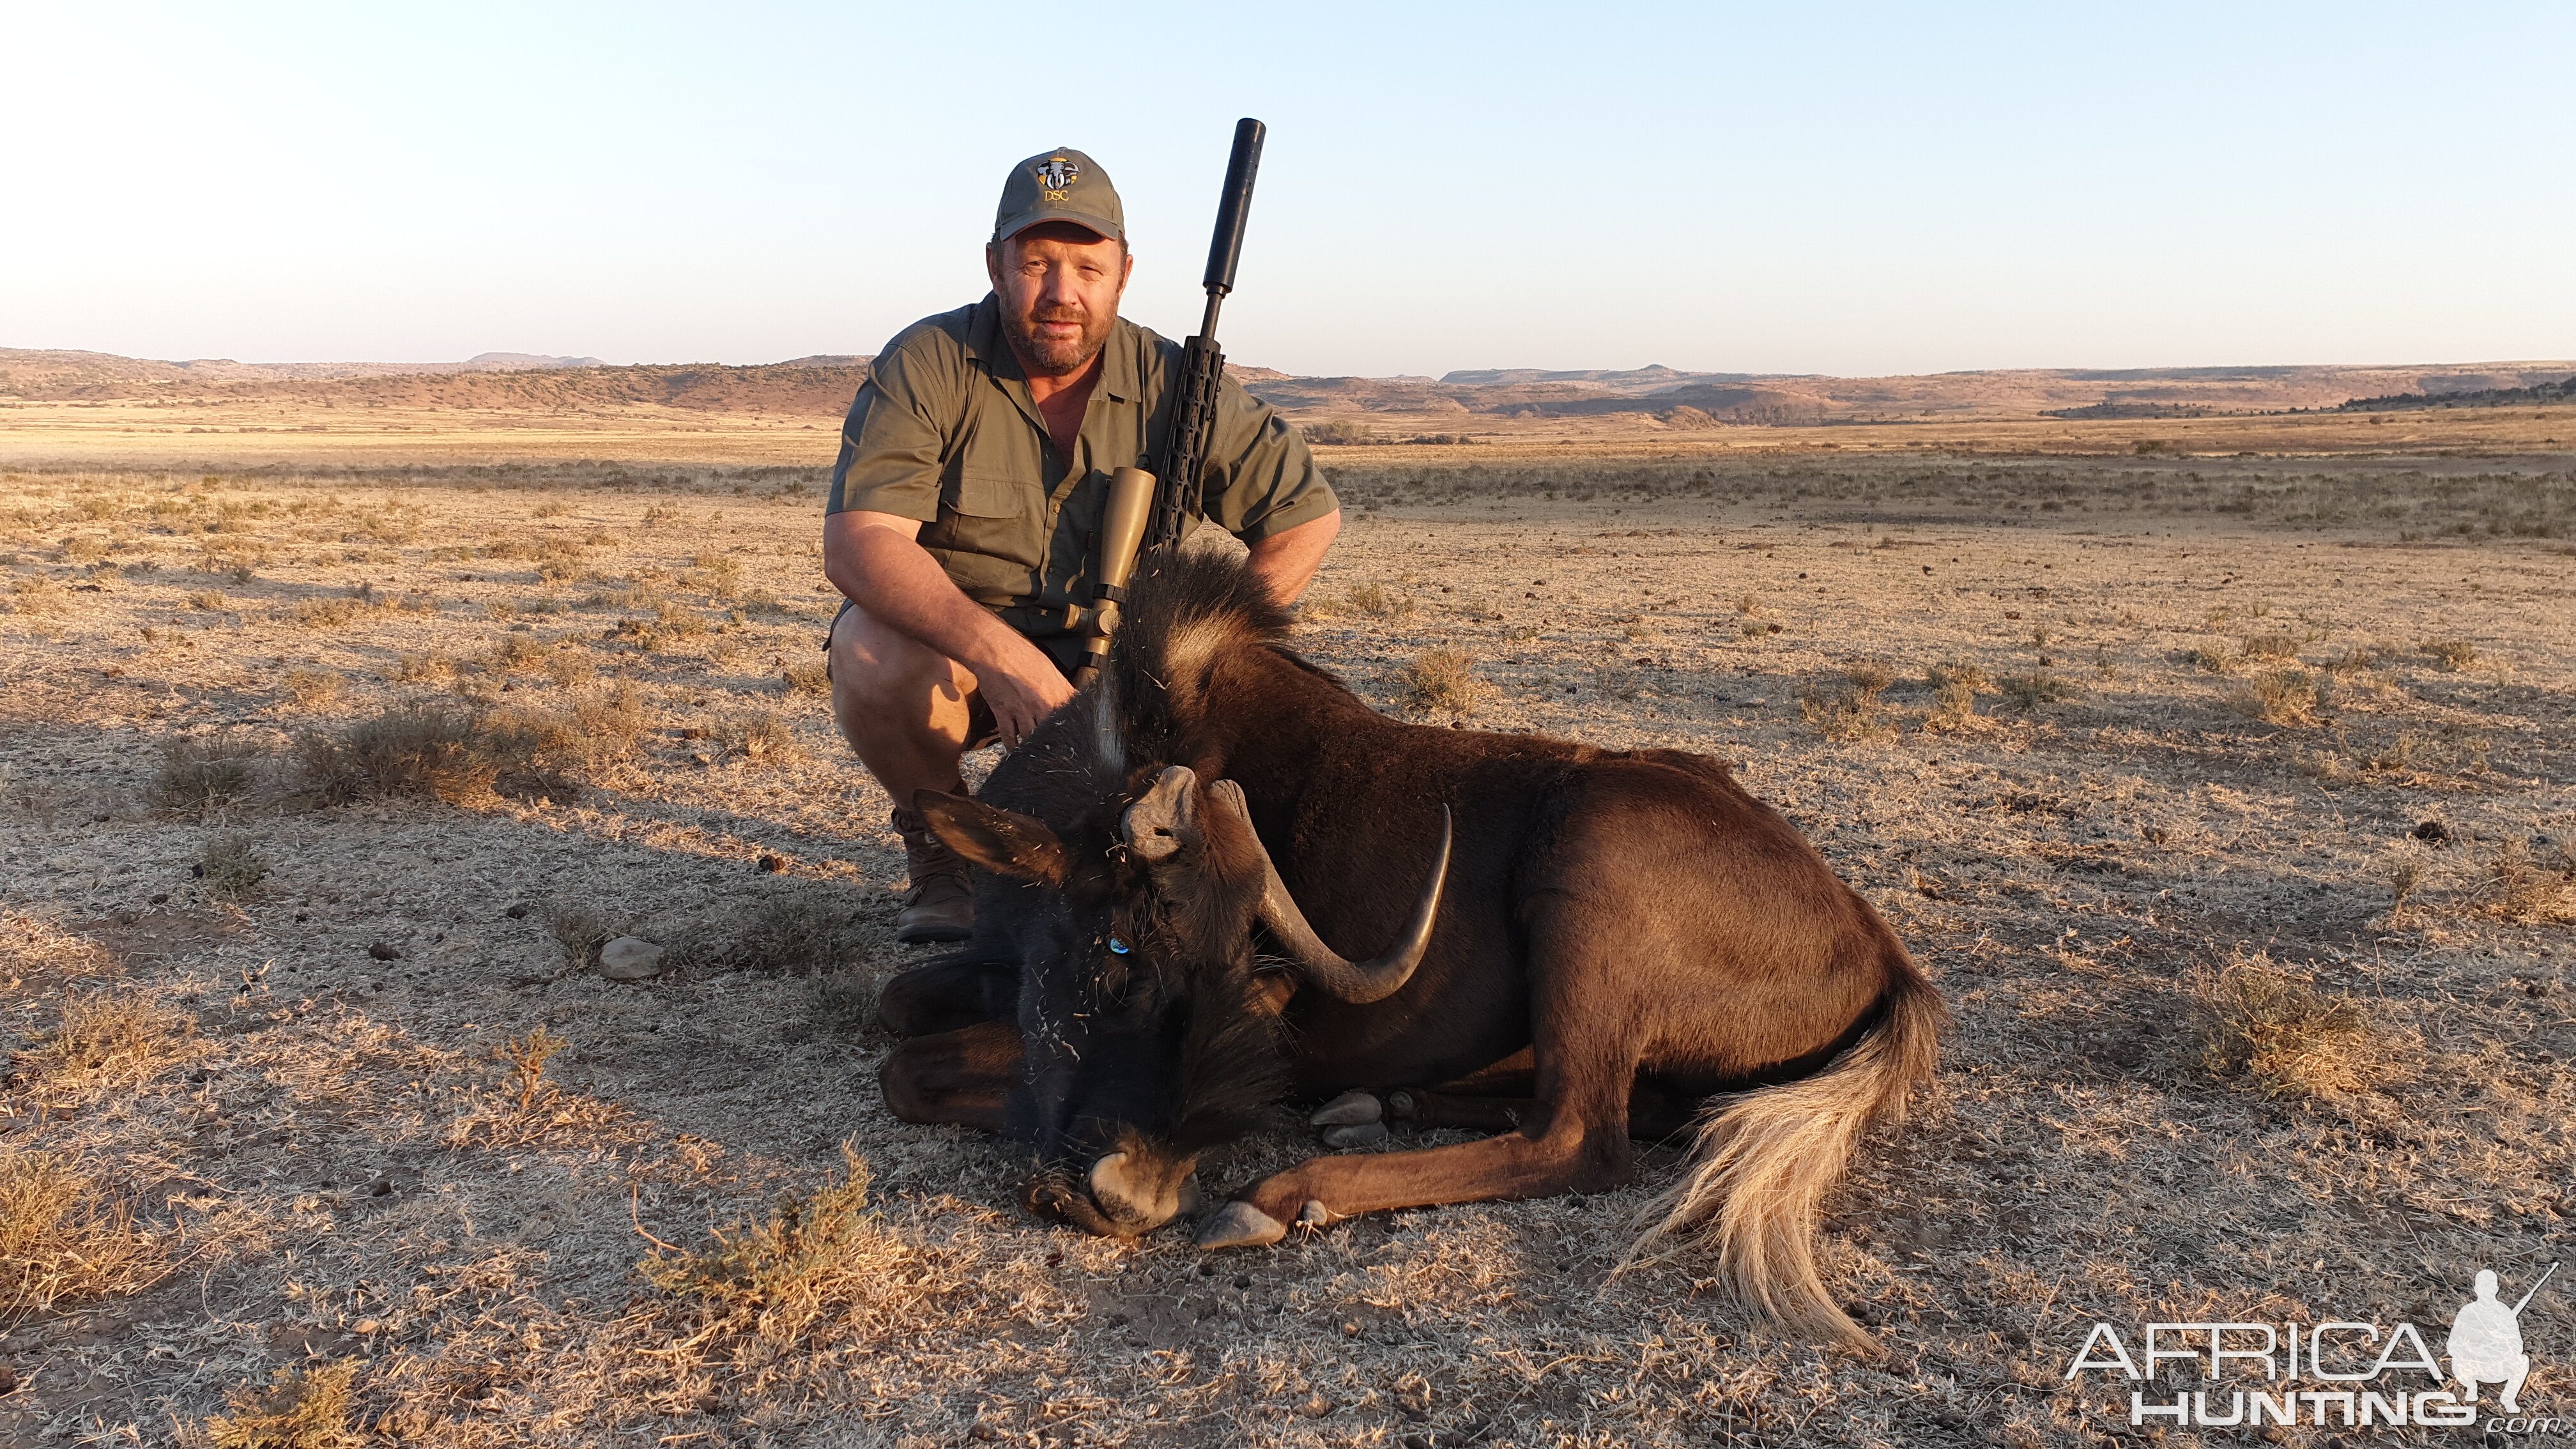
pixel 966 504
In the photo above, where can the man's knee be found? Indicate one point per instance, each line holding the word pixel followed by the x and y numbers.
pixel 878 671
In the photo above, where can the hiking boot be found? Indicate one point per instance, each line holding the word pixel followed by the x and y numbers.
pixel 940 905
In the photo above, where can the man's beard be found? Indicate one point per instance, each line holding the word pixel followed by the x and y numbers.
pixel 1043 356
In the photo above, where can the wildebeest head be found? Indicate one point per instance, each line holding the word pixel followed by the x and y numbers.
pixel 1149 1021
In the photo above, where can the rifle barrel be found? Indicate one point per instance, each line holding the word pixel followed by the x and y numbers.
pixel 1234 208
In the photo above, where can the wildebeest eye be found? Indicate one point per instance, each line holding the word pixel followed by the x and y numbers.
pixel 1119 947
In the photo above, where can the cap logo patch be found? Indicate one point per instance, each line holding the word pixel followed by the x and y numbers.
pixel 1057 176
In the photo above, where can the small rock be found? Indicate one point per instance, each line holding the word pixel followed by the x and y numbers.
pixel 2432 832
pixel 630 958
pixel 518 912
pixel 1366 1134
pixel 384 951
pixel 159 899
pixel 8 1380
pixel 772 865
pixel 984 1434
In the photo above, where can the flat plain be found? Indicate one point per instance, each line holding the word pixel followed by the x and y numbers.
pixel 2219 770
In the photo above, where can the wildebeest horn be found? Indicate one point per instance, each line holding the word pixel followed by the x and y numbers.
pixel 1358 982
pixel 1160 819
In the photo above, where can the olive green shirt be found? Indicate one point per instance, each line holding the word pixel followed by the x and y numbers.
pixel 944 430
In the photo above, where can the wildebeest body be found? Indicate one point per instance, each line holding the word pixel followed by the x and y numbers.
pixel 1623 935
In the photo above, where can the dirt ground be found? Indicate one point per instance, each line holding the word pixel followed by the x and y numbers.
pixel 2227 798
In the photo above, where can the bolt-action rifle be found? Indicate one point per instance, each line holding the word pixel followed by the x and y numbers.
pixel 1150 511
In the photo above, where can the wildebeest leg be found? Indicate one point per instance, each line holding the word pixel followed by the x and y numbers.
pixel 947 995
pixel 956 1076
pixel 1575 1138
pixel 1654 1112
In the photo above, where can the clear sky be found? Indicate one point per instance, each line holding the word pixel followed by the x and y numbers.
pixel 1780 188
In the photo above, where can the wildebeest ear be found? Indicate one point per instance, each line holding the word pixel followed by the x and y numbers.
pixel 1001 841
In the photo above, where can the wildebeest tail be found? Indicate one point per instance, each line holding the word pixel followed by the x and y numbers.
pixel 1765 1159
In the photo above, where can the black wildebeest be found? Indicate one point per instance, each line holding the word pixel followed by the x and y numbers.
pixel 1626 942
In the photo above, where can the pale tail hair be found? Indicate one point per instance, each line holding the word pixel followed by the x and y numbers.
pixel 1766 1158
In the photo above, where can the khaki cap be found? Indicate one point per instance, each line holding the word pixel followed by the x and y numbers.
pixel 1060 185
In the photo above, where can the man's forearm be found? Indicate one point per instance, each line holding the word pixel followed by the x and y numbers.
pixel 1285 562
pixel 899 584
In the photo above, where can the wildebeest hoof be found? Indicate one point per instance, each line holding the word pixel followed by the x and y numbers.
pixel 1193 1202
pixel 1138 1195
pixel 1350 1109
pixel 1314 1214
pixel 1399 1105
pixel 1365 1134
pixel 1239 1225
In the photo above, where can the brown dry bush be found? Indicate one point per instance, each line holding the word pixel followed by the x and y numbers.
pixel 107 1040
pixel 423 668
pixel 2534 890
pixel 2450 654
pixel 64 1237
pixel 201 774
pixel 578 930
pixel 1375 601
pixel 762 1286
pixel 2278 1034
pixel 813 676
pixel 2281 697
pixel 324 613
pixel 231 867
pixel 571 667
pixel 312 688
pixel 423 747
pixel 2028 690
pixel 1955 687
pixel 761 737
pixel 783 936
pixel 514 653
pixel 300 1409
pixel 206 599
pixel 1441 680
pixel 1850 709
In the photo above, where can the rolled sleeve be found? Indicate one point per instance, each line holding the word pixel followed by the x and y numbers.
pixel 1263 480
pixel 892 442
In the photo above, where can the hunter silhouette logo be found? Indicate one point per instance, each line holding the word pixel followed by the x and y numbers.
pixel 1057 176
pixel 2486 1342
pixel 2365 1374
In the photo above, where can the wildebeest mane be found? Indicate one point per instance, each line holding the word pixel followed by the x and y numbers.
pixel 1187 612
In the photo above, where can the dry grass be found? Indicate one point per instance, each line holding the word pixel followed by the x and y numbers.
pixel 200 775
pixel 427 748
pixel 578 932
pixel 64 1237
pixel 1850 708
pixel 1955 686
pixel 1441 681
pixel 759 736
pixel 808 676
pixel 2531 889
pixel 766 1285
pixel 2280 697
pixel 2280 1035
pixel 312 688
pixel 231 867
pixel 106 1040
pixel 785 935
pixel 2449 654
pixel 2027 689
pixel 302 1408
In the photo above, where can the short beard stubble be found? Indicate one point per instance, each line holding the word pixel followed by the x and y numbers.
pixel 1041 357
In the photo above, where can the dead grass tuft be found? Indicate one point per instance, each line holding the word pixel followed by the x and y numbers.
pixel 2534 890
pixel 201 774
pixel 2278 1034
pixel 1442 681
pixel 1851 708
pixel 64 1237
pixel 1955 687
pixel 759 736
pixel 1375 601
pixel 2452 655
pixel 787 935
pixel 231 867
pixel 312 688
pixel 810 676
pixel 422 748
pixel 2031 688
pixel 2280 697
pixel 769 1283
pixel 579 930
pixel 206 600
pixel 300 1409
pixel 107 1040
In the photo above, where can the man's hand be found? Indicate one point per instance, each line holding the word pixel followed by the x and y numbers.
pixel 876 560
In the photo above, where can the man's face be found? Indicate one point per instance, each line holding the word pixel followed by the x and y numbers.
pixel 1059 286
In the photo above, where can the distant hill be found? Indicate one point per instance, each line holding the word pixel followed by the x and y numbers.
pixel 823 384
